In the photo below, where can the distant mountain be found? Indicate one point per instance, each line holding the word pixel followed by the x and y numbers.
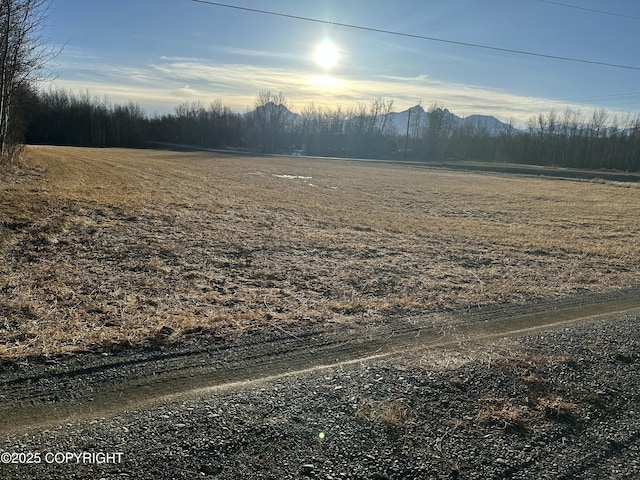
pixel 274 111
pixel 418 120
pixel 486 122
pixel 417 117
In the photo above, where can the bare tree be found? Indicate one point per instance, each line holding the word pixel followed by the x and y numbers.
pixel 23 56
pixel 438 131
pixel 381 109
pixel 505 150
pixel 272 117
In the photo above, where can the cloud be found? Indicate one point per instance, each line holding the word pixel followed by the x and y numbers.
pixel 245 52
pixel 417 79
pixel 179 59
pixel 162 85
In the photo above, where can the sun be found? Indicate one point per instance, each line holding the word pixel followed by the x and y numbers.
pixel 326 54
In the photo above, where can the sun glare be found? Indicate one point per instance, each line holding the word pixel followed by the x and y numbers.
pixel 326 54
pixel 325 82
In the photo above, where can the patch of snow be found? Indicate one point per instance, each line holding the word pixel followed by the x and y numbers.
pixel 292 177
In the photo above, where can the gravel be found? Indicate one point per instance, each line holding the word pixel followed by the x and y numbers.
pixel 557 404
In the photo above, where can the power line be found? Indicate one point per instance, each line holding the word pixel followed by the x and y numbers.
pixel 593 10
pixel 420 37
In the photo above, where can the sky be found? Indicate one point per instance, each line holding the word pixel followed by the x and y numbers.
pixel 162 53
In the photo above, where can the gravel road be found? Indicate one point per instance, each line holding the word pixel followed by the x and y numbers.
pixel 557 403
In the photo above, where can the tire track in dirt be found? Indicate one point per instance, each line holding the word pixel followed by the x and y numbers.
pixel 134 381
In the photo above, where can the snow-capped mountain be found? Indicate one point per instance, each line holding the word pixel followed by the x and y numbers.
pixel 416 119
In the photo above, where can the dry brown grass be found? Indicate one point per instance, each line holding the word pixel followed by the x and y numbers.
pixel 107 247
pixel 538 399
pixel 509 415
pixel 502 413
pixel 394 413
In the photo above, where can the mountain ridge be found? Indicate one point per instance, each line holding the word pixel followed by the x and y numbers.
pixel 403 122
pixel 413 119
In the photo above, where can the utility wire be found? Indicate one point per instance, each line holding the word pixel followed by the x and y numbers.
pixel 420 37
pixel 593 10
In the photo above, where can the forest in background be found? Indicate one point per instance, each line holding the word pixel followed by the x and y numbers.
pixel 368 130
pixel 563 139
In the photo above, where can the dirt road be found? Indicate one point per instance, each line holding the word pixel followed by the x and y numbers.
pixel 89 386
pixel 547 394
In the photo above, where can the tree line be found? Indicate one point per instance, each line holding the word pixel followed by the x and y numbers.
pixel 367 130
pixel 566 139
pixel 569 139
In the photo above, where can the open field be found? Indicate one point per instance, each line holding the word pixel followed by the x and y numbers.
pixel 299 318
pixel 107 248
